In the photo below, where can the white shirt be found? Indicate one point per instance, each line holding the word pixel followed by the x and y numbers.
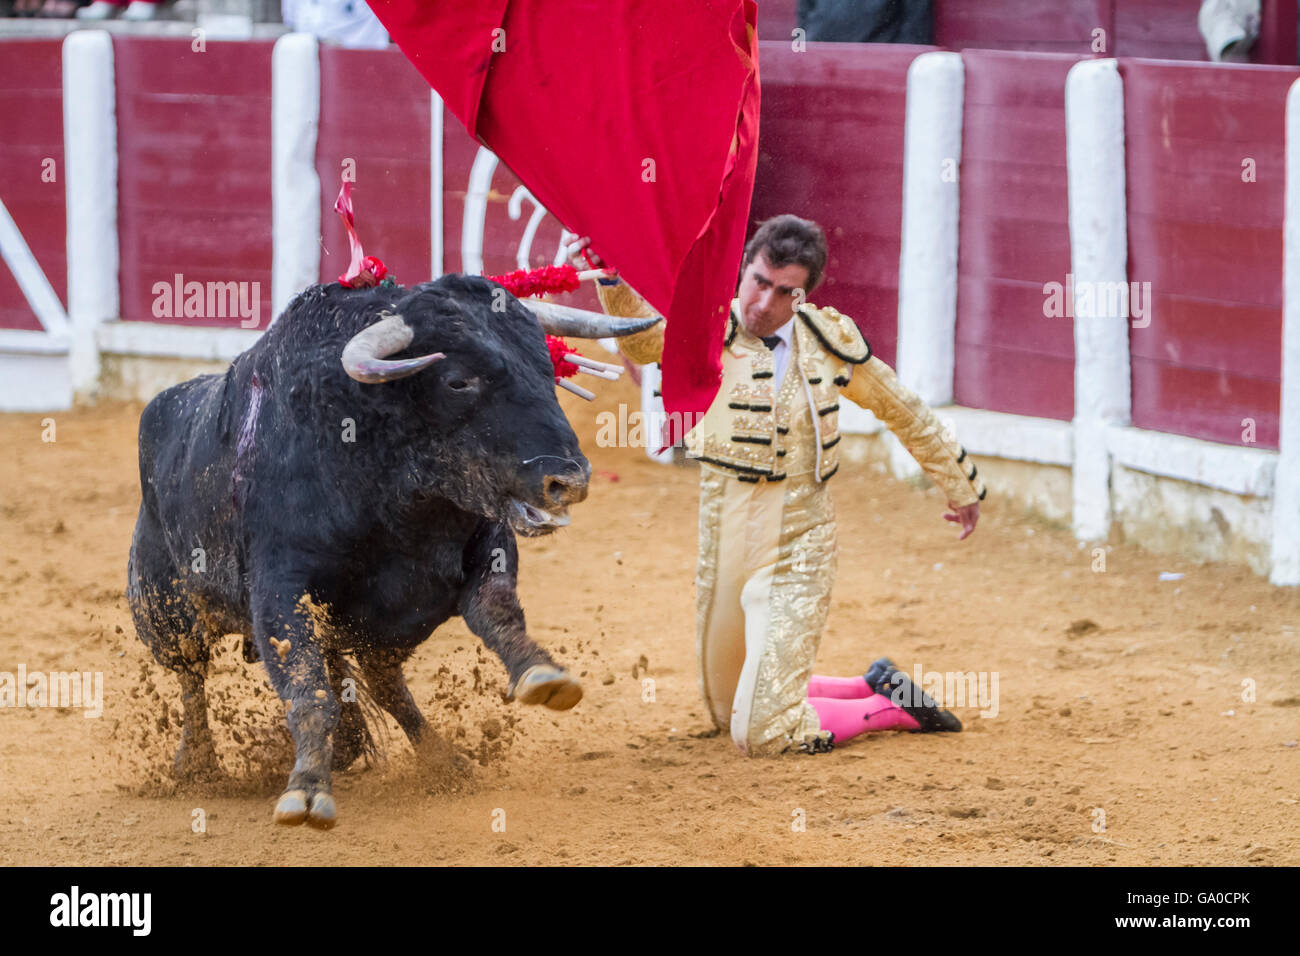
pixel 781 354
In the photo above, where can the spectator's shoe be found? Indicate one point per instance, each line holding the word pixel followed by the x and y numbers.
pixel 918 705
pixel 58 9
pixel 141 10
pixel 99 10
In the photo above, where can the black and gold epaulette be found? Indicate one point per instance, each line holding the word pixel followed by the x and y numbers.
pixel 837 333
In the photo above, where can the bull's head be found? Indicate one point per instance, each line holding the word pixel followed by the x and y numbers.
pixel 499 443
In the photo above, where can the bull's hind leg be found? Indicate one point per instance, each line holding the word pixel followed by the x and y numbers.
pixel 382 670
pixel 290 646
pixel 490 606
pixel 165 621
pixel 196 758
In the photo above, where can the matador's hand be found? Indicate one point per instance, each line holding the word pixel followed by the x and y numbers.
pixel 575 253
pixel 966 516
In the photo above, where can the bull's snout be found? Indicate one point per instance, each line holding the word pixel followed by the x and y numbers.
pixel 566 486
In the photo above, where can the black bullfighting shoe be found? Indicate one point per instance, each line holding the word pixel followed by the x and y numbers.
pixel 885 678
pixel 823 743
pixel 876 671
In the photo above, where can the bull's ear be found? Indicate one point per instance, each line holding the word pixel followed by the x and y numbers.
pixel 579 323
pixel 365 357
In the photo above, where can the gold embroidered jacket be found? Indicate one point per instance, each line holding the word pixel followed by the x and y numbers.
pixel 748 428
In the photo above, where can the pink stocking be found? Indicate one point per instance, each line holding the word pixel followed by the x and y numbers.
pixel 848 718
pixel 841 687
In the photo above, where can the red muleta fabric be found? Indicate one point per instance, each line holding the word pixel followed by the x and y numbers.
pixel 633 123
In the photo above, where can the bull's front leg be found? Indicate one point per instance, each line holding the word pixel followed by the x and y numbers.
pixel 288 639
pixel 490 606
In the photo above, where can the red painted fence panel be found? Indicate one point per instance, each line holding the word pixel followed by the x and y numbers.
pixel 1014 236
pixel 831 149
pixel 1157 28
pixel 1208 242
pixel 1055 26
pixel 777 19
pixel 194 170
pixel 389 152
pixel 31 132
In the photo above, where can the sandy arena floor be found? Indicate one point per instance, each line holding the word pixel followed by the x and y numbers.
pixel 1118 693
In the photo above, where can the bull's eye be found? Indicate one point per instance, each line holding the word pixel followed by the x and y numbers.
pixel 458 384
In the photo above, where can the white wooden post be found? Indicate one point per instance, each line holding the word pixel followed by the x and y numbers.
pixel 927 269
pixel 1094 136
pixel 295 187
pixel 435 185
pixel 90 181
pixel 1285 550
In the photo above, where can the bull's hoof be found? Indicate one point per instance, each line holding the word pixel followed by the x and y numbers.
pixel 322 814
pixel 292 808
pixel 550 686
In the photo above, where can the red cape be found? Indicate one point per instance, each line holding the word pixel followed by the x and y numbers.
pixel 633 123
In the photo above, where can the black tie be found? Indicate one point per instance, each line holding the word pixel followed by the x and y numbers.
pixel 771 341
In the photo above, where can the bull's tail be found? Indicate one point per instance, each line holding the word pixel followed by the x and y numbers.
pixel 354 737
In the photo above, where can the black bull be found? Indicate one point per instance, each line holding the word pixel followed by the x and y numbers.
pixel 321 510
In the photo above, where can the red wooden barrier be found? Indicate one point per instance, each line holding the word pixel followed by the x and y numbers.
pixel 194 169
pixel 831 150
pixel 31 131
pixel 1209 243
pixel 777 19
pixel 1277 32
pixel 374 111
pixel 1014 236
pixel 1157 28
pixel 1056 26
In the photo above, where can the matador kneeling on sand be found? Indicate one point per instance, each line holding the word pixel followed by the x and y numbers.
pixel 767 449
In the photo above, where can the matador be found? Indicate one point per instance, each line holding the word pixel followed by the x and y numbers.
pixel 767 448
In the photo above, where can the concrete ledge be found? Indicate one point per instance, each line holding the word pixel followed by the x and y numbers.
pixel 1240 470
pixel 34 380
pixel 982 432
pixel 174 341
pixel 1170 516
pixel 28 342
pixel 1046 441
pixel 141 377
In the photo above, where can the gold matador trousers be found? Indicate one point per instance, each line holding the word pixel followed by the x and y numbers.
pixel 766 568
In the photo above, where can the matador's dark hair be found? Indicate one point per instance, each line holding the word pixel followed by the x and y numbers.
pixel 789 240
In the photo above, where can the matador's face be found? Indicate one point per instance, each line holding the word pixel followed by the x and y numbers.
pixel 769 295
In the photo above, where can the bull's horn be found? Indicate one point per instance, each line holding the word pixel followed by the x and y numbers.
pixel 365 355
pixel 563 320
